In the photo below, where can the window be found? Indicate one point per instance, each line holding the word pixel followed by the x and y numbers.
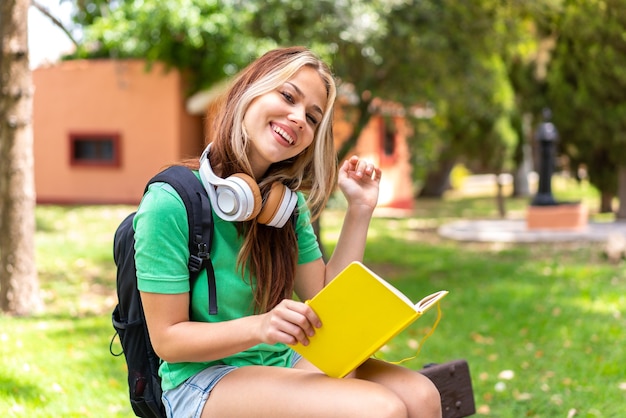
pixel 95 150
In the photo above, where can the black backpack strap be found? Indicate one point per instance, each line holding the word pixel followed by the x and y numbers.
pixel 200 221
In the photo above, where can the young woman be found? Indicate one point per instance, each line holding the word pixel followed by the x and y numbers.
pixel 269 169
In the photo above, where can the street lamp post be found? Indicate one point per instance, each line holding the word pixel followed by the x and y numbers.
pixel 547 136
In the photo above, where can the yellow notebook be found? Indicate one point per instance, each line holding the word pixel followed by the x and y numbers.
pixel 360 312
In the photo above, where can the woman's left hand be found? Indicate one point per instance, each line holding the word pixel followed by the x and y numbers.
pixel 359 181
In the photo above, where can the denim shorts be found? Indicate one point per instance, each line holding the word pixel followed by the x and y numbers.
pixel 188 398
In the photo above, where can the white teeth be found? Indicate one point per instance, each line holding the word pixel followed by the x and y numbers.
pixel 284 134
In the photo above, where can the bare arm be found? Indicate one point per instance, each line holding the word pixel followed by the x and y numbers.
pixel 163 252
pixel 176 339
pixel 359 182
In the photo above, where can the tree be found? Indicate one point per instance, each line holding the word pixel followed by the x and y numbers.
pixel 585 87
pixel 201 38
pixel 462 48
pixel 411 52
pixel 19 286
pixel 454 56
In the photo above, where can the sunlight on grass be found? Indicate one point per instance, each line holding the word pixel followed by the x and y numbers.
pixel 602 306
pixel 60 367
pixel 542 326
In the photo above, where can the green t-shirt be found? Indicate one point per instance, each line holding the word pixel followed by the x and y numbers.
pixel 161 255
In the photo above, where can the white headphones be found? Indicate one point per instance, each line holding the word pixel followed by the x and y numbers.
pixel 238 198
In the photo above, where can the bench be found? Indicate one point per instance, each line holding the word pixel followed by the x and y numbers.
pixel 454 383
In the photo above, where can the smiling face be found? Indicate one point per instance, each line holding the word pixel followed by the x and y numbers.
pixel 282 123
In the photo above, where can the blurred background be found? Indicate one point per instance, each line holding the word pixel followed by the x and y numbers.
pixel 477 111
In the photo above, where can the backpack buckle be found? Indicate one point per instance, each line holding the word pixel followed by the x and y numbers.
pixel 203 251
pixel 195 263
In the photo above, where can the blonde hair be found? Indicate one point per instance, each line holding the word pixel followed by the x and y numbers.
pixel 313 171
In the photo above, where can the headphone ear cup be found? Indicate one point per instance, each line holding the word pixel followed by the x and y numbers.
pixel 278 206
pixel 248 195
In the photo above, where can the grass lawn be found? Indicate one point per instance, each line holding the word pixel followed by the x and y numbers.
pixel 541 325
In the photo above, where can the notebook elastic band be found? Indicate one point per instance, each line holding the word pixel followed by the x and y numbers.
pixel 423 340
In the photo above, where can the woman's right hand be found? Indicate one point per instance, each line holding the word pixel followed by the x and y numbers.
pixel 289 322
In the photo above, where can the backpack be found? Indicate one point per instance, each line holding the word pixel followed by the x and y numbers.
pixel 128 318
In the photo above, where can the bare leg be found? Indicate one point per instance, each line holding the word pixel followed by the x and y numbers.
pixel 419 394
pixel 258 391
pixel 378 390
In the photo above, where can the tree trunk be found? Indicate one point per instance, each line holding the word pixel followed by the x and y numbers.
pixel 621 192
pixel 500 196
pixel 521 187
pixel 606 200
pixel 19 286
pixel 438 179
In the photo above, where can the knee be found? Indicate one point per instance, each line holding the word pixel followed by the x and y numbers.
pixel 386 405
pixel 428 399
